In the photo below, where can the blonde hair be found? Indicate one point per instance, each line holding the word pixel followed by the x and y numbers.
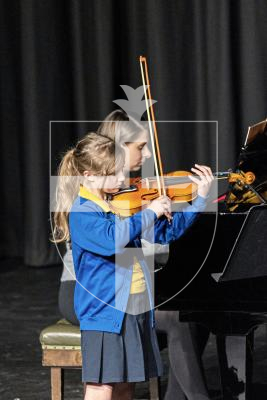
pixel 120 127
pixel 95 153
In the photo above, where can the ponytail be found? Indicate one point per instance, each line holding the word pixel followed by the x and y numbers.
pixel 68 186
pixel 94 153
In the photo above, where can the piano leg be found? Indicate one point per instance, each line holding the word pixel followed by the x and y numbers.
pixel 235 355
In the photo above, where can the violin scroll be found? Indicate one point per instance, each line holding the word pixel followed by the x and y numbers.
pixel 242 178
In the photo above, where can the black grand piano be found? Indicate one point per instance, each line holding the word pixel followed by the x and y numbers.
pixel 216 274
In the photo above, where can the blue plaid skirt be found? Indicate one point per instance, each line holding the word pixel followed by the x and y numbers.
pixel 131 356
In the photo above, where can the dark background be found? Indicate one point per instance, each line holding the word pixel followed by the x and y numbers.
pixel 65 60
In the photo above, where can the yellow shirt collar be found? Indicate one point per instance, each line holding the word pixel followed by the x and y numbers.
pixel 86 194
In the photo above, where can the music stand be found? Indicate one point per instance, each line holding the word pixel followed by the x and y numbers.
pixel 252 158
pixel 248 258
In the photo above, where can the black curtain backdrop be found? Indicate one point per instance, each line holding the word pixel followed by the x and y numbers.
pixel 65 60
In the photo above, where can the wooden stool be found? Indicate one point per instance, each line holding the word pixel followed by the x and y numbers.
pixel 61 349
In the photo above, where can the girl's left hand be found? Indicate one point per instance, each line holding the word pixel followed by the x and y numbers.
pixel 205 181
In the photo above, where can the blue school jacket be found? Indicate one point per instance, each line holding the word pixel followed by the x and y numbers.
pixel 103 248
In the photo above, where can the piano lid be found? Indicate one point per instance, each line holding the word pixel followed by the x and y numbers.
pixel 252 158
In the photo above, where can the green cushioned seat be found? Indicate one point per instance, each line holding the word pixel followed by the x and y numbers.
pixel 62 335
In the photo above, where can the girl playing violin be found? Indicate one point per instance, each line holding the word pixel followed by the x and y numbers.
pixel 119 344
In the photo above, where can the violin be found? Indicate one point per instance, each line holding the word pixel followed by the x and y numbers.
pixel 176 185
pixel 179 188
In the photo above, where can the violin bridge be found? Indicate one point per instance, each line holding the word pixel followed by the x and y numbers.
pixel 147 183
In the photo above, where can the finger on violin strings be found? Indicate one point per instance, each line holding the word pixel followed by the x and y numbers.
pixel 201 174
pixel 197 171
pixel 207 177
pixel 210 178
pixel 194 179
pixel 204 168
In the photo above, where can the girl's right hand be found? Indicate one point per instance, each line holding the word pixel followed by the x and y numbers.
pixel 161 206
